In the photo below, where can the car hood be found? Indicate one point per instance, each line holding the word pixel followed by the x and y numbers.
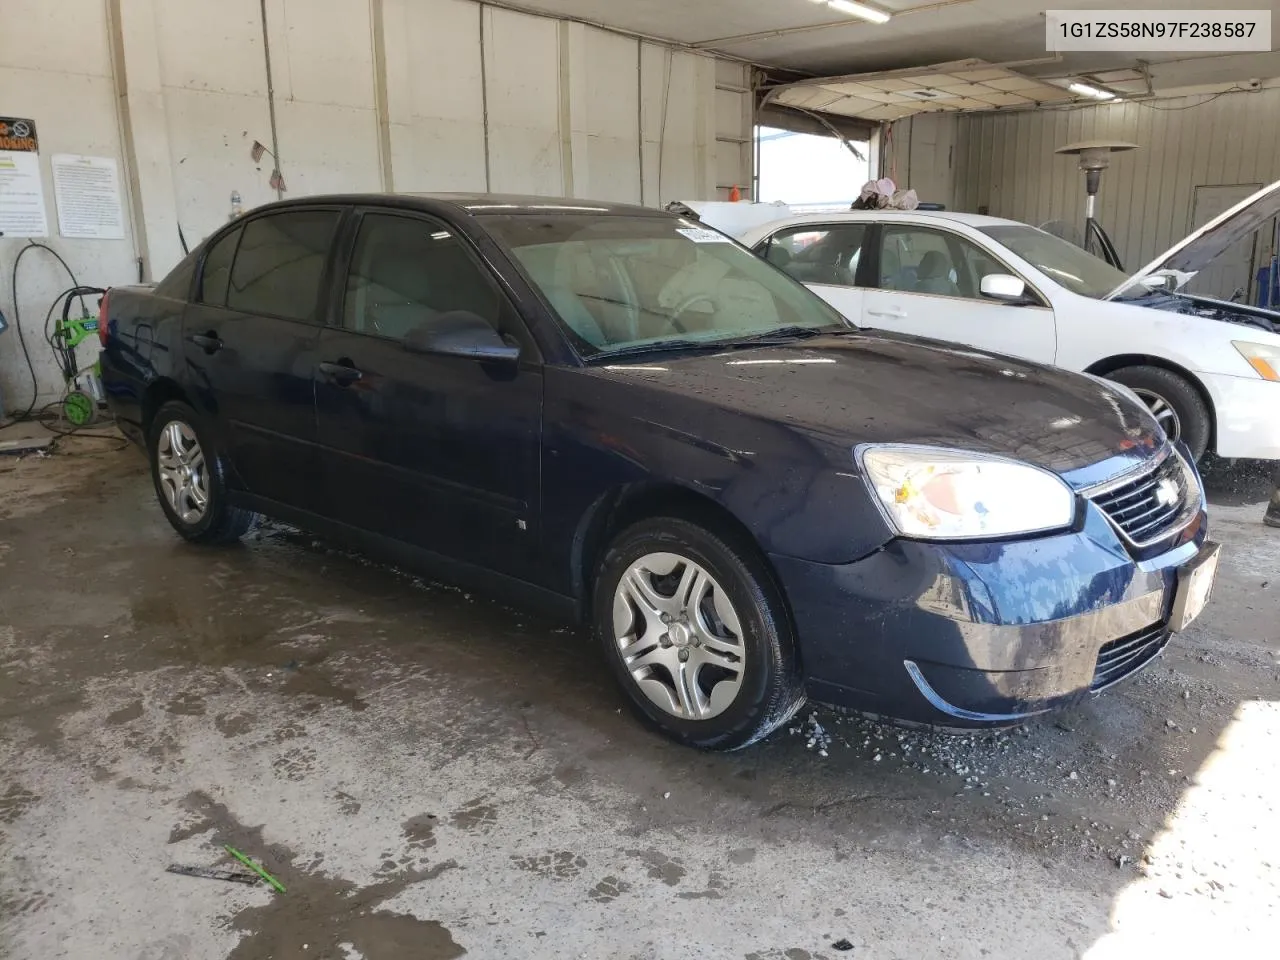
pixel 1195 252
pixel 867 387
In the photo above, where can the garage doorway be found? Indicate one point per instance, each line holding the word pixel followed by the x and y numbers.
pixel 810 170
pixel 1234 270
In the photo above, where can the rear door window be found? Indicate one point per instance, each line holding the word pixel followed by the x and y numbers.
pixel 826 253
pixel 917 260
pixel 280 263
pixel 216 273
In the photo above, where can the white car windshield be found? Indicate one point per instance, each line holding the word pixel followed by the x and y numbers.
pixel 629 283
pixel 1065 263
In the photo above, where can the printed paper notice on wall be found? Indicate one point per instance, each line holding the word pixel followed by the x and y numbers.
pixel 87 192
pixel 22 212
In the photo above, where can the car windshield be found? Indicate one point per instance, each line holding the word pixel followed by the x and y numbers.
pixel 629 283
pixel 1072 267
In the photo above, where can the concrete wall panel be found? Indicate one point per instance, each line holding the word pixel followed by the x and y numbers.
pixel 322 51
pixel 522 76
pixel 211 46
pixel 34 36
pixel 74 113
pixel 369 94
pixel 611 120
pixel 435 97
pixel 327 148
pixel 210 136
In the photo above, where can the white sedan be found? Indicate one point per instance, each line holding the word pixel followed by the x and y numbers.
pixel 1209 370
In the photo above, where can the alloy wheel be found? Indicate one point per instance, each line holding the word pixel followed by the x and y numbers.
pixel 679 636
pixel 1163 411
pixel 184 475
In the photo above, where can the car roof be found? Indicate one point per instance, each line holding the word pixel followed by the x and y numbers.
pixel 477 203
pixel 969 219
pixel 527 203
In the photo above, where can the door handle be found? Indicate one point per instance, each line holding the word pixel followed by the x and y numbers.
pixel 341 373
pixel 897 313
pixel 208 342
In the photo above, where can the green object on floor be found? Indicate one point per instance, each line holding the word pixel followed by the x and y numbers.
pixel 79 408
pixel 255 868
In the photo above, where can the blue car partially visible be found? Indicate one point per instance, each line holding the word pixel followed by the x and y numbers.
pixel 619 415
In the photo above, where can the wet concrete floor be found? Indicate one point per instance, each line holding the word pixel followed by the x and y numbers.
pixel 431 775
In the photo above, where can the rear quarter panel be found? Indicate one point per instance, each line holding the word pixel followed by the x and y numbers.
pixel 144 346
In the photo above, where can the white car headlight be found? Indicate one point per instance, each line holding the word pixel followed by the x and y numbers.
pixel 1263 357
pixel 936 493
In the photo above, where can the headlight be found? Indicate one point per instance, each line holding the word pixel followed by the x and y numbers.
pixel 1263 357
pixel 934 493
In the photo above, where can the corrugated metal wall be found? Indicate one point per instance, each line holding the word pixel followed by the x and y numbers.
pixel 1005 162
pixel 920 153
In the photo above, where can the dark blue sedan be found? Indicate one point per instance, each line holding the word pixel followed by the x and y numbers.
pixel 623 416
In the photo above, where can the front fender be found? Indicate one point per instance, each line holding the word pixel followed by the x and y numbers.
pixel 1090 331
pixel 798 495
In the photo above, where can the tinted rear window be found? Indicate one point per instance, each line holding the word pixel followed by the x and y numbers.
pixel 280 262
pixel 216 272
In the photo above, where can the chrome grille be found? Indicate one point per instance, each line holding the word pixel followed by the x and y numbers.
pixel 1121 658
pixel 1153 504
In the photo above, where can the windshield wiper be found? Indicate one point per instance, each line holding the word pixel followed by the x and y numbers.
pixel 660 346
pixel 780 335
pixel 766 338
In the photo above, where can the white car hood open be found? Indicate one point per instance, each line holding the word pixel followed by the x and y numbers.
pixel 1196 251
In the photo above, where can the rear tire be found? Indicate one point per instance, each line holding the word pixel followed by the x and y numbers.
pixel 190 478
pixel 1174 401
pixel 696 634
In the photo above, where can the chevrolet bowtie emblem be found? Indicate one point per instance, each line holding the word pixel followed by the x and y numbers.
pixel 1167 493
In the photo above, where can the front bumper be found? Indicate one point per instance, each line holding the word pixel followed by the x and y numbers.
pixel 1247 415
pixel 972 635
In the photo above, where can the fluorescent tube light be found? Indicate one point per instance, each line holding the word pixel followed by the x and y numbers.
pixel 860 10
pixel 1087 91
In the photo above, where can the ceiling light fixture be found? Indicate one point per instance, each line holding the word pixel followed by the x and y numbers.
pixel 861 10
pixel 1087 91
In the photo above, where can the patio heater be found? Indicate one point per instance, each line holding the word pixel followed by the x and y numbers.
pixel 1095 156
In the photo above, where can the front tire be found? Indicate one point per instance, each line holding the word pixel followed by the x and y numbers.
pixel 1175 403
pixel 190 478
pixel 696 635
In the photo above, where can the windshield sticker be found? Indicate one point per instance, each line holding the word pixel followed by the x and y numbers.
pixel 702 235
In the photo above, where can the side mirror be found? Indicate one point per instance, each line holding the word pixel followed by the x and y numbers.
pixel 461 333
pixel 1001 286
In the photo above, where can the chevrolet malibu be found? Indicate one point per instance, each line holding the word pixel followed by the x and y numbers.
pixel 625 417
